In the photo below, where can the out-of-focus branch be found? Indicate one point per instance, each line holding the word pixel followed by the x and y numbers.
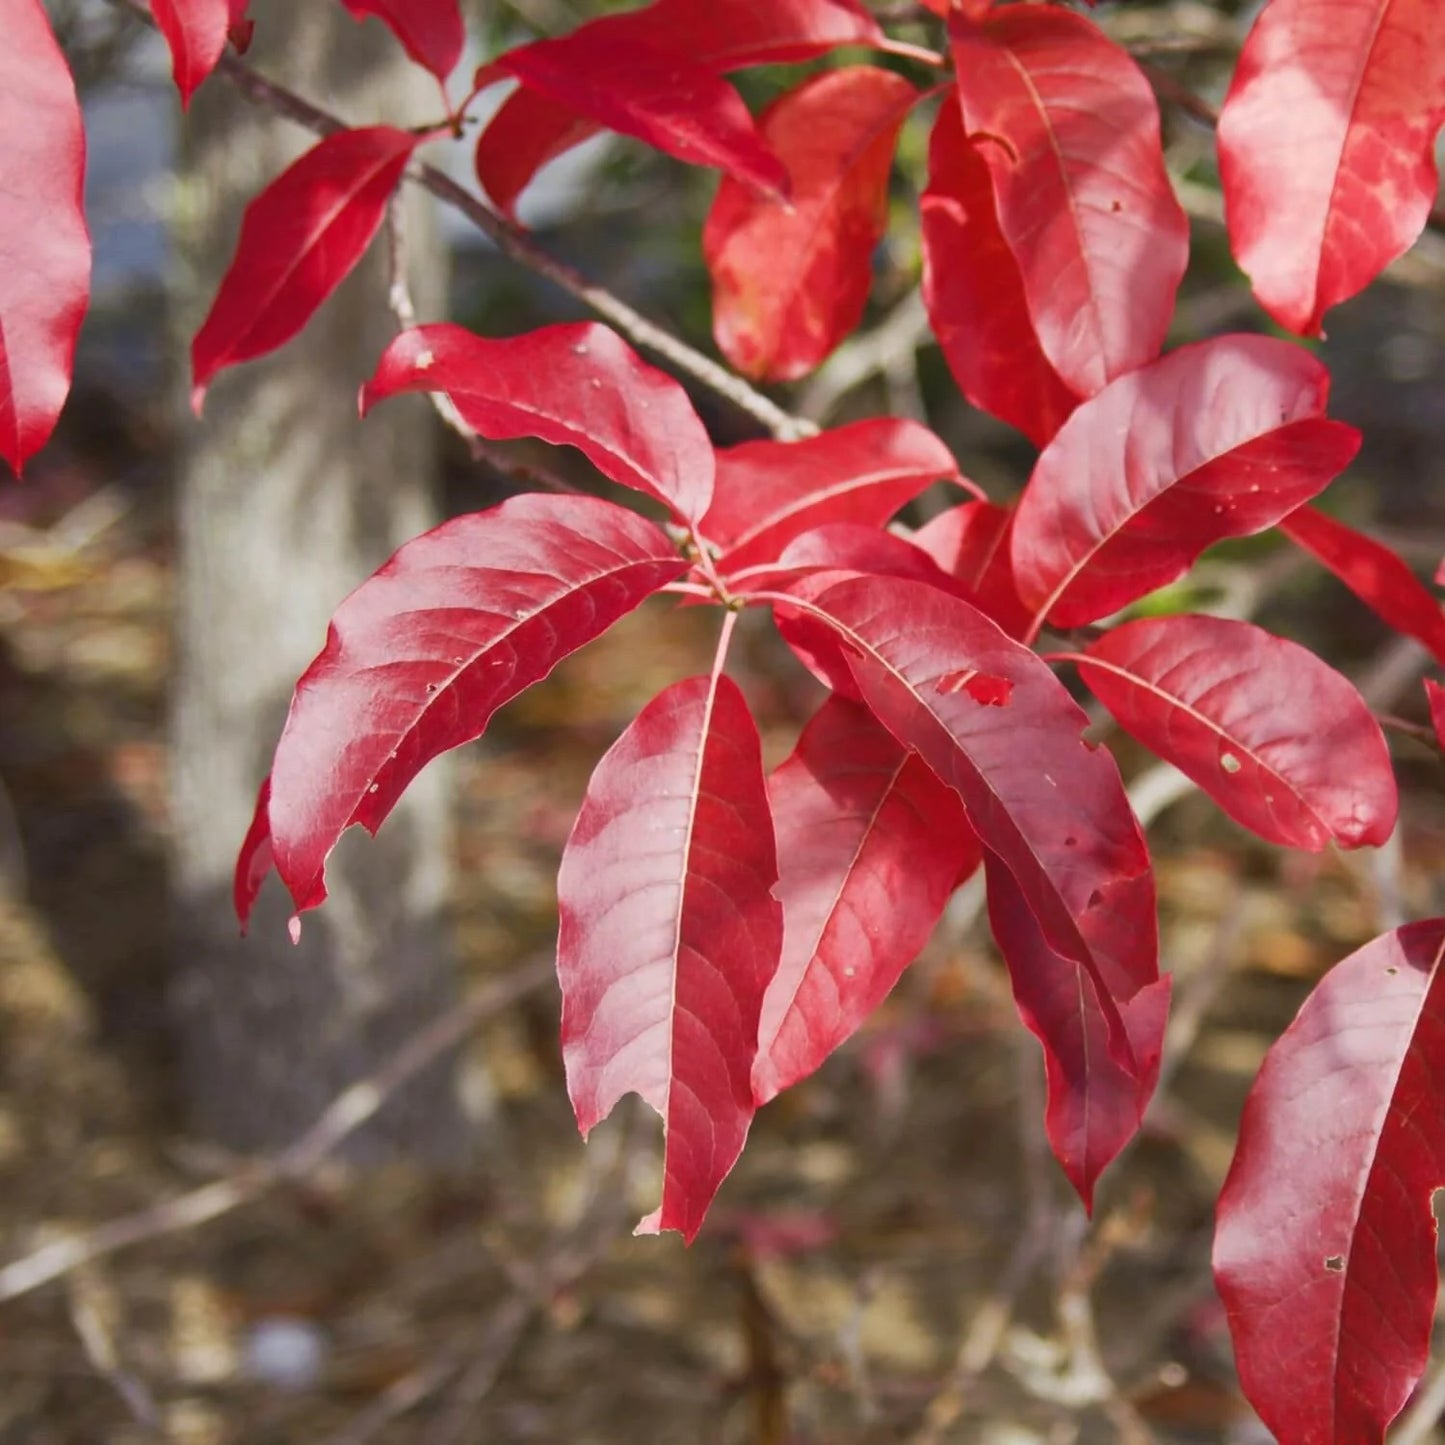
pixel 352 1108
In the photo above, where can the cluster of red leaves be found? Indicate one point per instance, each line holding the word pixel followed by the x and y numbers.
pixel 723 930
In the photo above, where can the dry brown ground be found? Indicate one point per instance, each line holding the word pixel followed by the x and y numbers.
pixel 894 1260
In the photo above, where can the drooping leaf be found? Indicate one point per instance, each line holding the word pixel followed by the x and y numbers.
pixel 196 32
pixel 1052 807
pixel 870 845
pixel 1069 129
pixel 1219 439
pixel 670 934
pixel 419 657
pixel 971 543
pixel 1327 148
pixel 1094 1106
pixel 575 385
pixel 531 129
pixel 768 493
pixel 974 292
pixel 44 244
pixel 1324 1245
pixel 431 30
pixel 790 278
pixel 1283 743
pixel 630 84
pixel 300 239
pixel 1376 575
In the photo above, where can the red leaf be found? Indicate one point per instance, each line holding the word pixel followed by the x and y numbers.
pixel 44 244
pixel 1052 808
pixel 419 657
pixel 768 493
pixel 1094 1106
pixel 196 31
pixel 576 385
pixel 791 278
pixel 971 543
pixel 670 934
pixel 299 240
pixel 974 292
pixel 870 846
pixel 670 100
pixel 1282 742
pixel 1216 440
pixel 1326 147
pixel 1435 695
pixel 531 129
pixel 1375 574
pixel 1324 1247
pixel 1069 130
pixel 431 30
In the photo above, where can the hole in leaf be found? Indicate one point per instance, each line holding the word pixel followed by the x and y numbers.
pixel 983 688
pixel 1335 1263
pixel 1230 763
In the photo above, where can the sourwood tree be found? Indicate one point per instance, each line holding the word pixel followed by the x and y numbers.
pixel 722 929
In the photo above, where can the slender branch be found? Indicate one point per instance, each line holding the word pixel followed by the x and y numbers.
pixel 352 1108
pixel 515 243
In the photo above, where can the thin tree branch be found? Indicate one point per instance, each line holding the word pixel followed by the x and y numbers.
pixel 352 1108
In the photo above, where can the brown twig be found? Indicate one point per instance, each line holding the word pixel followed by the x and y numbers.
pixel 352 1108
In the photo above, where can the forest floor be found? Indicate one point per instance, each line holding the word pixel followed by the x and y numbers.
pixel 896 1257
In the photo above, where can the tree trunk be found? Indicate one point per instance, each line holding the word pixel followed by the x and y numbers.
pixel 287 502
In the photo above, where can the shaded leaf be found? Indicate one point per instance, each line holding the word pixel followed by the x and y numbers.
pixel 1094 1106
pixel 421 655
pixel 632 85
pixel 767 493
pixel 1326 148
pixel 1435 696
pixel 431 30
pixel 1375 574
pixel 575 385
pixel 1084 203
pixel 300 238
pixel 870 846
pixel 974 292
pixel 1324 1245
pixel 670 934
pixel 1283 743
pixel 1220 439
pixel 790 279
pixel 971 543
pixel 44 244
pixel 531 129
pixel 1050 806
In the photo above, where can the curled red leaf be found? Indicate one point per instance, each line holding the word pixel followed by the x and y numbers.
pixel 431 30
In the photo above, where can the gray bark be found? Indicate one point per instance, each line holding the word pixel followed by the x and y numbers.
pixel 286 502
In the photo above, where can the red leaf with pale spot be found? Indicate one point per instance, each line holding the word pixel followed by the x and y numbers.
pixel 1283 743
pixel 768 493
pixel 974 292
pixel 419 657
pixel 300 239
pixel 870 846
pixel 1220 439
pixel 1327 147
pixel 1324 1245
pixel 1069 130
pixel 576 385
pixel 790 278
pixel 44 244
pixel 670 934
